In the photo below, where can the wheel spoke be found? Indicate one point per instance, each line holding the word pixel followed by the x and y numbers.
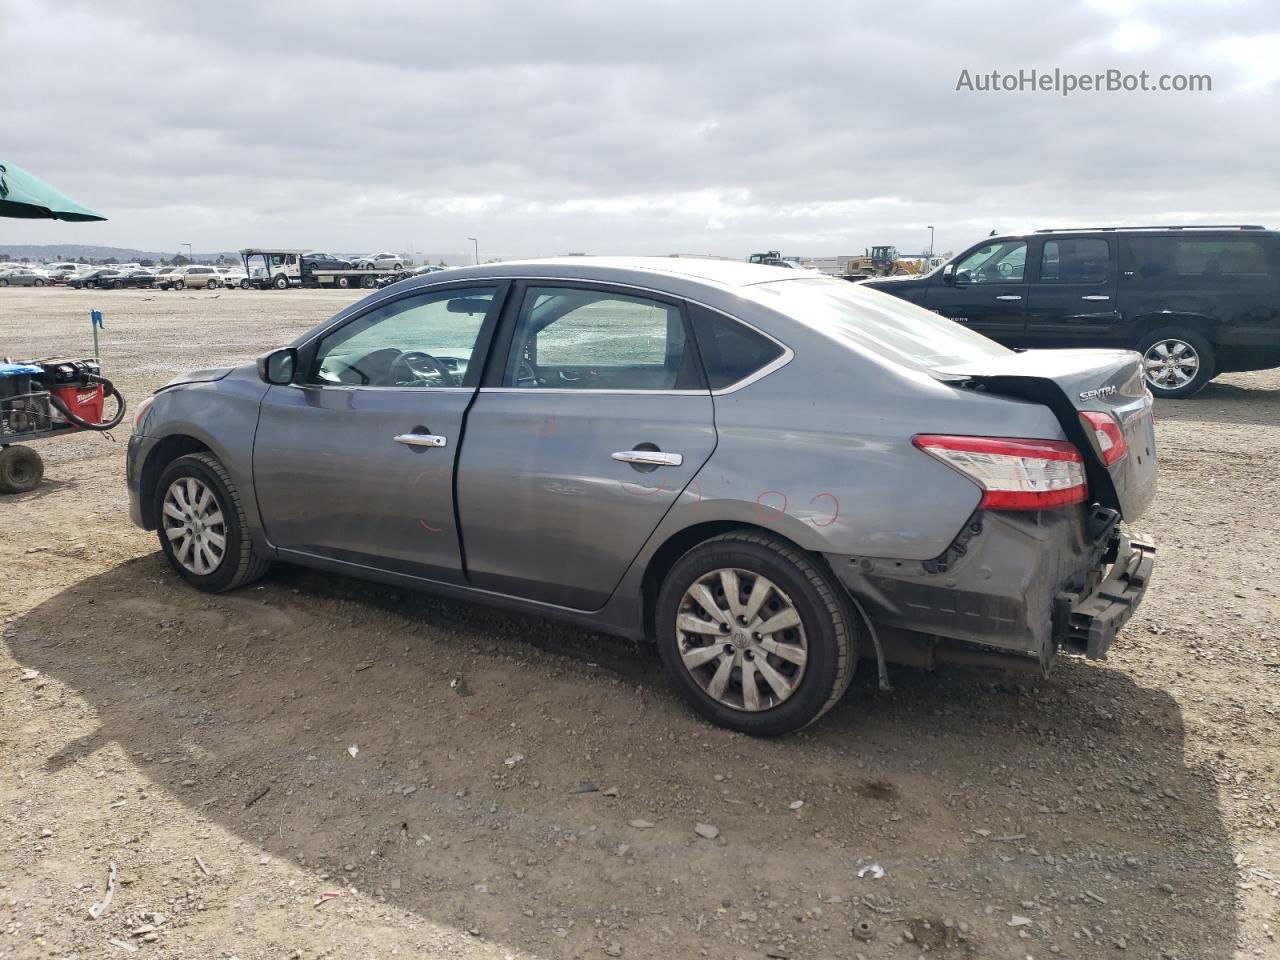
pixel 703 596
pixel 759 593
pixel 184 549
pixel 780 684
pixel 784 651
pixel 171 510
pixel 697 656
pixel 781 620
pixel 750 691
pixel 721 679
pixel 179 497
pixel 732 591
pixel 216 540
pixel 214 519
pixel 693 624
pixel 203 503
pixel 173 533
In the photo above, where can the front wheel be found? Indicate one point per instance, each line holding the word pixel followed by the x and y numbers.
pixel 755 634
pixel 20 469
pixel 179 284
pixel 202 527
pixel 281 282
pixel 1176 362
pixel 38 282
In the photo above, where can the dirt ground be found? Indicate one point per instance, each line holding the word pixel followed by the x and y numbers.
pixel 471 784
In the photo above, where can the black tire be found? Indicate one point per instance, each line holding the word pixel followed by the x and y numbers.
pixel 20 469
pixel 212 285
pixel 179 284
pixel 37 282
pixel 91 284
pixel 281 282
pixel 239 565
pixel 245 285
pixel 3 282
pixel 369 282
pixel 1206 368
pixel 830 627
pixel 113 285
pixel 343 282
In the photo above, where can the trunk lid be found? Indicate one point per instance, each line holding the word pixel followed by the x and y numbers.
pixel 1070 382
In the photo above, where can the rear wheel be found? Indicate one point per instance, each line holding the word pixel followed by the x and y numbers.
pixel 1176 362
pixel 3 282
pixel 369 282
pixel 38 282
pixel 343 282
pixel 212 285
pixel 202 527
pixel 755 634
pixel 20 469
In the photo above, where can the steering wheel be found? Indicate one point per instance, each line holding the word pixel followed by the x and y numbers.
pixel 1005 269
pixel 420 366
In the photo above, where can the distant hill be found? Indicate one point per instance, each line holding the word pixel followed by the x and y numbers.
pixel 79 252
pixel 87 251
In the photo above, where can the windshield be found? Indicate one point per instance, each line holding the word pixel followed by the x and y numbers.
pixel 875 322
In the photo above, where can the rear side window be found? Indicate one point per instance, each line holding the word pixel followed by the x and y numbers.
pixel 1201 258
pixel 1085 260
pixel 731 352
pixel 574 338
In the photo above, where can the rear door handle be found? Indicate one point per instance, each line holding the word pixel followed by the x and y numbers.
pixel 1096 296
pixel 1010 296
pixel 421 440
pixel 653 458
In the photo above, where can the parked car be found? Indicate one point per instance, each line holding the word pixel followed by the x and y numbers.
pixel 101 277
pixel 23 277
pixel 324 261
pixel 193 275
pixel 62 272
pixel 1194 301
pixel 234 277
pixel 379 261
pixel 831 474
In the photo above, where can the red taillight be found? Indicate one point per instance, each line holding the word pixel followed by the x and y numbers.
pixel 1013 474
pixel 1107 435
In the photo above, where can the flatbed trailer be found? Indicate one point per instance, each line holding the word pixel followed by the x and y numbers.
pixel 281 268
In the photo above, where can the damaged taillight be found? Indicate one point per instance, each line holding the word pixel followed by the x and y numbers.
pixel 1014 474
pixel 1107 435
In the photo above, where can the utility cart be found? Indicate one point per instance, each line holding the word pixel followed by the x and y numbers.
pixel 47 398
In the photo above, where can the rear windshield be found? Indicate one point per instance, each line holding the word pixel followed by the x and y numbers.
pixel 875 322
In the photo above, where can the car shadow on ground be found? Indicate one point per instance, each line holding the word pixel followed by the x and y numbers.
pixel 490 747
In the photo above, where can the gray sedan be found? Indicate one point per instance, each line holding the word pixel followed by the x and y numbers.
pixel 773 476
pixel 23 278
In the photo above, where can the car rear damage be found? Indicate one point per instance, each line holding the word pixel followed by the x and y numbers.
pixel 1044 564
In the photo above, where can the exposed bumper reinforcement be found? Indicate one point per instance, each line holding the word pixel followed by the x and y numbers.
pixel 1088 624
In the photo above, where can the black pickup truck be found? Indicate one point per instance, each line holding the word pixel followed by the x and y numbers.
pixel 1195 301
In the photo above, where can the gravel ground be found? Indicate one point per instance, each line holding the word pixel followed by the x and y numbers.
pixel 473 784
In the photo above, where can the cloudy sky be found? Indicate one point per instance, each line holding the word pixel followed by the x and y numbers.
pixel 618 127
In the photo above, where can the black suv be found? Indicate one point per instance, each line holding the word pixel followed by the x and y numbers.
pixel 1194 301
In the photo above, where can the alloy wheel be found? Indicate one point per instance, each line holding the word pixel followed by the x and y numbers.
pixel 741 639
pixel 1171 363
pixel 194 524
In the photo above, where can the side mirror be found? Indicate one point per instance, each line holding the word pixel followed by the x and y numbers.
pixel 949 274
pixel 278 366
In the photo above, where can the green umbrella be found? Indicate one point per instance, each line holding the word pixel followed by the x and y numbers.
pixel 22 195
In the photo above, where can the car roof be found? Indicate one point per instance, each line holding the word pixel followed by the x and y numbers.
pixel 634 270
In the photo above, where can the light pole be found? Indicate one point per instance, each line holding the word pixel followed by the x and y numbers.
pixel 190 256
pixel 477 243
pixel 931 243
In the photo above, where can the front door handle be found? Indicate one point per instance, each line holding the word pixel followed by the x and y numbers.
pixel 652 458
pixel 1010 296
pixel 421 440
pixel 1096 296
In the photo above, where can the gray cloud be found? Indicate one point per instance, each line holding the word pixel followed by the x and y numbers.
pixel 628 127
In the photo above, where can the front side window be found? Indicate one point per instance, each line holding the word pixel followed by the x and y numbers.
pixel 578 339
pixel 1086 260
pixel 1001 262
pixel 420 341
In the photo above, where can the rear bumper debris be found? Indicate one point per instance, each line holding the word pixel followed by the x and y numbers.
pixel 1088 623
